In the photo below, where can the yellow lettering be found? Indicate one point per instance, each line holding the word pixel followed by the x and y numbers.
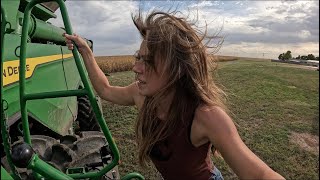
pixel 4 73
pixel 11 68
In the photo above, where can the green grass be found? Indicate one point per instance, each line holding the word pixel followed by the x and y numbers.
pixel 267 102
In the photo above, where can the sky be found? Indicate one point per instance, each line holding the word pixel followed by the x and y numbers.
pixel 261 29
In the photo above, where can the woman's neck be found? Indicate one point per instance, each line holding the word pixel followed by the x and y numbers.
pixel 164 105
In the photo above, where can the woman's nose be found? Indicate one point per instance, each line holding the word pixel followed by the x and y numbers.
pixel 138 67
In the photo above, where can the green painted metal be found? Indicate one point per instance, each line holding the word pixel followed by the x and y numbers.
pixel 45 98
pixel 42 80
pixel 3 28
pixel 70 64
pixel 11 8
pixel 41 30
pixel 45 170
pixel 84 77
pixel 4 131
pixel 132 176
pixel 40 12
pixel 57 113
pixel 5 175
pixel 53 113
pixel 56 94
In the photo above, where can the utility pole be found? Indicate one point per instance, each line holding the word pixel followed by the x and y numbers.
pixel 263 54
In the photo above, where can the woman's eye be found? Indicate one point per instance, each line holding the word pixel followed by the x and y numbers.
pixel 139 59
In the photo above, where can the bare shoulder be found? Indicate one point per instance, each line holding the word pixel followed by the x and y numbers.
pixel 207 122
pixel 210 114
pixel 214 121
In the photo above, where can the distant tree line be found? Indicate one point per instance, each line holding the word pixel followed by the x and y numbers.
pixel 287 56
pixel 309 57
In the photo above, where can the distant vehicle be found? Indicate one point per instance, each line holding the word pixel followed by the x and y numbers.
pixel 313 63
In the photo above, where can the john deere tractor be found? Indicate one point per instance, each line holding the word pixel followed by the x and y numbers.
pixel 52 126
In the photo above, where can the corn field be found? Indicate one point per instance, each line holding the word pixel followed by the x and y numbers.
pixel 109 64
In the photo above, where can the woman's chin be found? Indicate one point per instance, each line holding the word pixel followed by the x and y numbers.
pixel 144 92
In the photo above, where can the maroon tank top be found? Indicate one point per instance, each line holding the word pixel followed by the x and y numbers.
pixel 176 158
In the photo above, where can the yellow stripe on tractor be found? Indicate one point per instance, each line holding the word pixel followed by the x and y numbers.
pixel 11 68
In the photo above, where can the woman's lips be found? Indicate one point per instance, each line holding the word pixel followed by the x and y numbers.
pixel 140 83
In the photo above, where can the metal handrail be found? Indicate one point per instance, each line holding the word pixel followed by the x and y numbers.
pixel 4 130
pixel 37 164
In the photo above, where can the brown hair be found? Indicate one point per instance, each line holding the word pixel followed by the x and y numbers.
pixel 178 44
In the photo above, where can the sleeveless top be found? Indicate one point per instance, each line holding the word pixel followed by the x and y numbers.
pixel 176 158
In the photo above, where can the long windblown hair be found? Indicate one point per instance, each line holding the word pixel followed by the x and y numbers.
pixel 178 44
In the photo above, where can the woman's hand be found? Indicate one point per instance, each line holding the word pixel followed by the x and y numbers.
pixel 81 44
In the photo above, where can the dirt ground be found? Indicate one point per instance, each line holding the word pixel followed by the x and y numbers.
pixel 306 141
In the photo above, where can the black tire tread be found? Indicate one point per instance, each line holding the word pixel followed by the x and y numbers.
pixel 86 116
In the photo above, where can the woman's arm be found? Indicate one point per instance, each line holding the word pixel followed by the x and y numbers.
pixel 220 130
pixel 118 95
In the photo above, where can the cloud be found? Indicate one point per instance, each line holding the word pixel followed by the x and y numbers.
pixel 204 4
pixel 255 25
pixel 107 23
pixel 271 51
pixel 304 34
pixel 246 25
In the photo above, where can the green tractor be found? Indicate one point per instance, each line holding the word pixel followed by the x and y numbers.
pixel 52 126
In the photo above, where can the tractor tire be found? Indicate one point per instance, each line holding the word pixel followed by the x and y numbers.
pixel 68 152
pixel 86 117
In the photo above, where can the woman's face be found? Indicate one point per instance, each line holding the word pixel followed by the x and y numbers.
pixel 151 81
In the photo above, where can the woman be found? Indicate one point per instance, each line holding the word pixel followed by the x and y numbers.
pixel 181 111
